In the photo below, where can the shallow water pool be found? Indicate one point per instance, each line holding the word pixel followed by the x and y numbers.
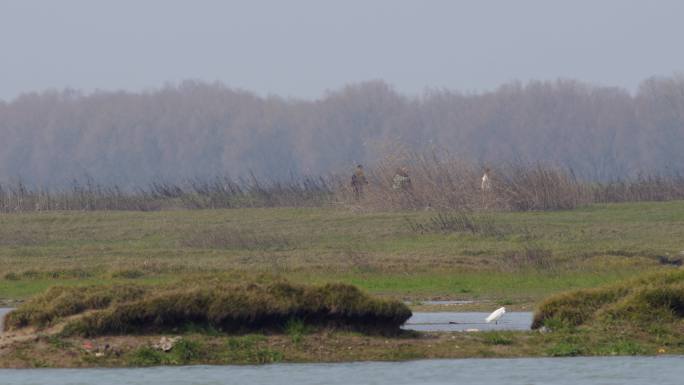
pixel 463 321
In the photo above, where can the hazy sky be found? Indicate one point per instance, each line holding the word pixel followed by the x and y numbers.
pixel 302 48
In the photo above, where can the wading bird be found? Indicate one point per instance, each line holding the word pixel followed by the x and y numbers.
pixel 496 315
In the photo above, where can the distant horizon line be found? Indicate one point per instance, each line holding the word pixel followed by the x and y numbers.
pixel 84 92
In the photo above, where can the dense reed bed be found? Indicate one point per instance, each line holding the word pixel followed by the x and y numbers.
pixel 442 183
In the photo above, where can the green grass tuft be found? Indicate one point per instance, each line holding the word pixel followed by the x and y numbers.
pixel 497 338
pixel 565 349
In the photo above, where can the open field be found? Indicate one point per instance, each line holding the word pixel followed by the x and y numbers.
pixel 510 258
pixel 516 259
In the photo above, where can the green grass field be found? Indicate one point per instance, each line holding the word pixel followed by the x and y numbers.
pixel 526 256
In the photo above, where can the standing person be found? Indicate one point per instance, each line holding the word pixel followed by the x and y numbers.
pixel 401 180
pixel 358 180
pixel 486 187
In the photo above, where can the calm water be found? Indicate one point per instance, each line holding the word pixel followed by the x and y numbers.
pixel 547 371
pixel 460 321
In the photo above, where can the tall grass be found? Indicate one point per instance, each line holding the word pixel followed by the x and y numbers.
pixel 194 194
pixel 644 188
pixel 448 183
pixel 437 182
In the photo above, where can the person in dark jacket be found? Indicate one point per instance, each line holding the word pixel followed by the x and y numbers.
pixel 358 181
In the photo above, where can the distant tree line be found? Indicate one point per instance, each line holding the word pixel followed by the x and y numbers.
pixel 199 130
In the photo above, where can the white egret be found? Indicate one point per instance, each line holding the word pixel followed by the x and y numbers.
pixel 496 315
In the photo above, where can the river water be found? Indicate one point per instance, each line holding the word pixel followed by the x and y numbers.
pixel 662 370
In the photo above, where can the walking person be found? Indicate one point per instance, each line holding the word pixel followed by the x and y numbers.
pixel 486 187
pixel 358 181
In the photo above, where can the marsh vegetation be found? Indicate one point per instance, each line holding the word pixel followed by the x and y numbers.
pixel 439 182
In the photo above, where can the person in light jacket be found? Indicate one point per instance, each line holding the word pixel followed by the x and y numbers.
pixel 401 180
pixel 486 187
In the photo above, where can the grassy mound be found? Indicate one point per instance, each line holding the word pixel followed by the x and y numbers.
pixel 214 304
pixel 638 303
pixel 58 302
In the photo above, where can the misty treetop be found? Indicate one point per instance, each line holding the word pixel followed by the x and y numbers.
pixel 201 130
